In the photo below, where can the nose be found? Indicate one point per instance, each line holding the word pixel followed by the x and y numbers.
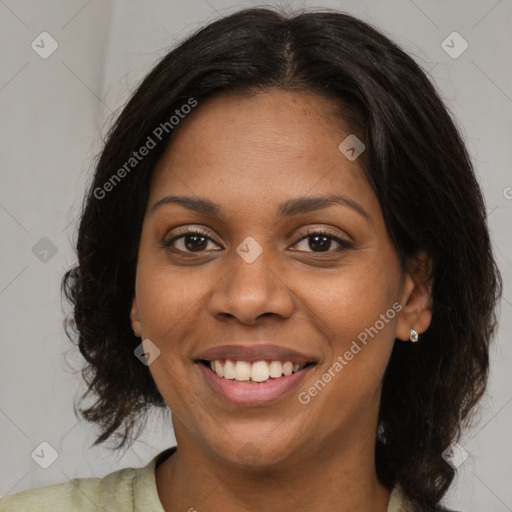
pixel 252 290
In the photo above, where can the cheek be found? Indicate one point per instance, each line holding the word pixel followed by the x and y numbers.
pixel 354 311
pixel 168 311
pixel 352 298
pixel 167 298
pixel 357 318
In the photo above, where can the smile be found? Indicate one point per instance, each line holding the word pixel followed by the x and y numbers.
pixel 248 391
pixel 253 372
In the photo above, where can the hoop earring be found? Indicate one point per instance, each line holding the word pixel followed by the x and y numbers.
pixel 413 336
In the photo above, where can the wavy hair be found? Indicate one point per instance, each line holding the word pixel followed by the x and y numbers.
pixel 419 169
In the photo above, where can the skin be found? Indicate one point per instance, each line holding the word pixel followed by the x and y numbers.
pixel 249 153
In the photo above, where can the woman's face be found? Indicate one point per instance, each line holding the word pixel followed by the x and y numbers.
pixel 266 282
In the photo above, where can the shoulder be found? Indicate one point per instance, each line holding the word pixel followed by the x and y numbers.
pixel 126 489
pixel 79 494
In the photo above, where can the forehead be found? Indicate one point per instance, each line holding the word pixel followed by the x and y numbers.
pixel 264 145
pixel 288 119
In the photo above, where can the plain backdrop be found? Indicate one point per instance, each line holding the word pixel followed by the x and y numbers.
pixel 54 112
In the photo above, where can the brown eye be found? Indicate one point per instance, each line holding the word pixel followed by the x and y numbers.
pixel 189 242
pixel 321 241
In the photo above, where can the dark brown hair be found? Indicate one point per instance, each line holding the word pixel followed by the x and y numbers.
pixel 419 168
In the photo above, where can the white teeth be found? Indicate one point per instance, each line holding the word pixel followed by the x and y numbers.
pixel 218 368
pixel 229 370
pixel 259 371
pixel 288 368
pixel 242 370
pixel 276 369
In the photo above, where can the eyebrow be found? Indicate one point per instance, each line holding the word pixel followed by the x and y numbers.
pixel 289 208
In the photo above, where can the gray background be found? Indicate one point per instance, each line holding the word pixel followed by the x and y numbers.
pixel 54 113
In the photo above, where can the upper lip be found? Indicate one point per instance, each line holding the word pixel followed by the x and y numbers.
pixel 254 352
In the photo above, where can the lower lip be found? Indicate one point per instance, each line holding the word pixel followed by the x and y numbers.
pixel 253 394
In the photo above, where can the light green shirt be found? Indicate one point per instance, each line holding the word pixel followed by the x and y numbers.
pixel 125 490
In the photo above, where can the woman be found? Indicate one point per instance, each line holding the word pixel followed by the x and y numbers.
pixel 285 244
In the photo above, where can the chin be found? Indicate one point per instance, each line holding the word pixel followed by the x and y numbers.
pixel 256 452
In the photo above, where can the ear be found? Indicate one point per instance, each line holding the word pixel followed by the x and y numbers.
pixel 135 318
pixel 416 298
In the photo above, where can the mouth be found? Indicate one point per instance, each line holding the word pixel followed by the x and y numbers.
pixel 253 375
pixel 247 372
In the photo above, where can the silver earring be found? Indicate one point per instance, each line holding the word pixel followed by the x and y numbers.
pixel 413 336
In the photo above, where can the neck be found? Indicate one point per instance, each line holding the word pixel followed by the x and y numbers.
pixel 339 476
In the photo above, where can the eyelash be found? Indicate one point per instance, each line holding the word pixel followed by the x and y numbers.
pixel 343 244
